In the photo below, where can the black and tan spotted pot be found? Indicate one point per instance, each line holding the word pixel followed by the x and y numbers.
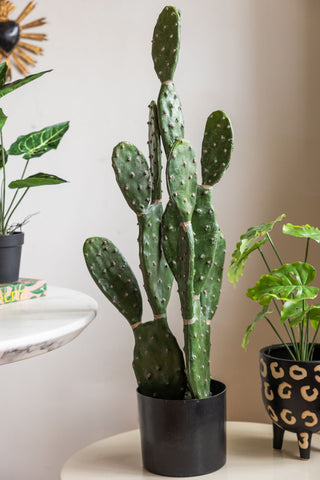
pixel 291 395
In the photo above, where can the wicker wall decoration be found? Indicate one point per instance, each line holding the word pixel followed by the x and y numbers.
pixel 15 48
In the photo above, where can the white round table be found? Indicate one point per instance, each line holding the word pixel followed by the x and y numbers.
pixel 37 326
pixel 250 456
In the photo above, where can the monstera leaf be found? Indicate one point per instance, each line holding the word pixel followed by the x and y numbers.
pixel 297 312
pixel 36 144
pixel 37 181
pixel 254 238
pixel 305 231
pixel 286 283
pixel 6 88
pixel 250 328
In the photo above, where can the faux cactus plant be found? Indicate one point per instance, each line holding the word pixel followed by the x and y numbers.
pixel 183 242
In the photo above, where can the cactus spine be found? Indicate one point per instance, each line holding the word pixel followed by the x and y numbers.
pixel 183 242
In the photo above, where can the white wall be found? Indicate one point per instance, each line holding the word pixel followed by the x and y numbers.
pixel 256 59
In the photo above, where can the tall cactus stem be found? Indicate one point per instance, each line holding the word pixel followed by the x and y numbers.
pixel 154 143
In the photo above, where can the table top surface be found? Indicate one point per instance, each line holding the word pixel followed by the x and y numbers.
pixel 250 456
pixel 37 326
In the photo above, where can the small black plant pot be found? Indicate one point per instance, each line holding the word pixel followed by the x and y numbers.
pixel 291 395
pixel 183 438
pixel 10 255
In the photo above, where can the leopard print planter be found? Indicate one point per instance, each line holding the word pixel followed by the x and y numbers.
pixel 291 395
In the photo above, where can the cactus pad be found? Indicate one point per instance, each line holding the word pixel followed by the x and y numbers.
pixel 133 176
pixel 112 274
pixel 196 337
pixel 206 235
pixel 211 293
pixel 166 43
pixel 154 144
pixel 216 147
pixel 170 117
pixel 182 179
pixel 158 361
pixel 186 270
pixel 157 275
pixel 169 237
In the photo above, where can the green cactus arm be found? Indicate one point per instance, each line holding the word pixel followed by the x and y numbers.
pixel 133 176
pixel 182 186
pixel 170 116
pixel 169 237
pixel 178 246
pixel 154 143
pixel 158 361
pixel 186 270
pixel 182 179
pixel 206 236
pixel 216 147
pixel 197 350
pixel 211 294
pixel 156 272
pixel 166 43
pixel 112 274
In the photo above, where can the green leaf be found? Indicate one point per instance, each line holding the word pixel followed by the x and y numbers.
pixel 254 238
pixel 9 87
pixel 314 315
pixel 37 181
pixel 36 144
pixel 305 231
pixel 3 157
pixel 293 311
pixel 285 283
pixel 296 313
pixel 3 119
pixel 250 328
pixel 3 73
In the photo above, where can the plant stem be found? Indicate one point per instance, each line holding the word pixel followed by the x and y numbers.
pixel 280 338
pixel 17 204
pixel 17 190
pixel 307 250
pixel 292 338
pixel 301 341
pixel 274 249
pixel 307 338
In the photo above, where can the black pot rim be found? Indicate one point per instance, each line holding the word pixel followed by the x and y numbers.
pixel 264 350
pixel 12 239
pixel 222 390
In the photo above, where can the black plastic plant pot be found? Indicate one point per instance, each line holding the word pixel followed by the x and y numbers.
pixel 291 395
pixel 183 438
pixel 10 255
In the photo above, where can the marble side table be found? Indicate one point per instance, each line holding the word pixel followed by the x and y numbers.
pixel 250 456
pixel 37 326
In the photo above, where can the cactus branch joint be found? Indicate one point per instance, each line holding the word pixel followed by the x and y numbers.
pixel 181 242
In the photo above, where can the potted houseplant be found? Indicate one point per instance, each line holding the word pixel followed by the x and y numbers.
pixel 289 370
pixel 176 395
pixel 32 145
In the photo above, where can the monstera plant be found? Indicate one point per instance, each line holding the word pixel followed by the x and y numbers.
pixel 13 192
pixel 288 303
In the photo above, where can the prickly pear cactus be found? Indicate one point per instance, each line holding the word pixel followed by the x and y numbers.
pixel 158 363
pixel 184 241
pixel 166 43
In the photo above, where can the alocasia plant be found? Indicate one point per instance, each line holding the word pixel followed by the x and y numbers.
pixel 287 289
pixel 30 146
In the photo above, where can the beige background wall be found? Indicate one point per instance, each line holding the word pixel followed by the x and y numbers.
pixel 256 59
